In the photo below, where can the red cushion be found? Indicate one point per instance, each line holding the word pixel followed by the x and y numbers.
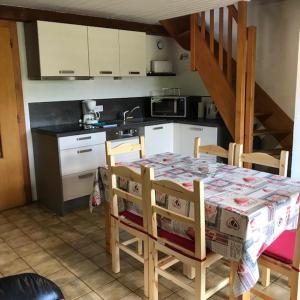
pixel 132 217
pixel 282 248
pixel 178 240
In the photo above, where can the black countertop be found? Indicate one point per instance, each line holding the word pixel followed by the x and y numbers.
pixel 75 129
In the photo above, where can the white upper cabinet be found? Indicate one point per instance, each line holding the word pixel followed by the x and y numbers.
pixel 132 53
pixel 63 49
pixel 103 51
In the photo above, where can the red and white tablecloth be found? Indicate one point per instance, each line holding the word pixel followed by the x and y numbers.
pixel 245 210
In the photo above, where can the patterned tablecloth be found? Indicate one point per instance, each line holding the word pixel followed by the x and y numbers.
pixel 245 210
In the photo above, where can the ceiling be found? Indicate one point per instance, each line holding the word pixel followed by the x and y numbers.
pixel 144 11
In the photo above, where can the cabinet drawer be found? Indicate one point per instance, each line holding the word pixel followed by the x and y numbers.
pixel 81 140
pixel 78 185
pixel 82 159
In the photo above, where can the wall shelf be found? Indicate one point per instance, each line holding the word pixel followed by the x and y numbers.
pixel 160 74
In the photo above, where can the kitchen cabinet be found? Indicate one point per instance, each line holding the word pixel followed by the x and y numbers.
pixel 185 135
pixel 65 168
pixel 132 53
pixel 103 51
pixel 56 50
pixel 159 138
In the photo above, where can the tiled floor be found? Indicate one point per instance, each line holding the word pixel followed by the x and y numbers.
pixel 70 251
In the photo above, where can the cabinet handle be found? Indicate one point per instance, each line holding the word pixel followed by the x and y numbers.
pixel 105 72
pixel 66 71
pixel 196 129
pixel 134 72
pixel 85 176
pixel 84 151
pixel 84 138
pixel 158 128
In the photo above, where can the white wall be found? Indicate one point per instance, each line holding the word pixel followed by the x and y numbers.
pixel 278 26
pixel 101 88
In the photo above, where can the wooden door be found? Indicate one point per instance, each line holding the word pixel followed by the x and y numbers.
pixel 104 51
pixel 63 49
pixel 132 53
pixel 14 176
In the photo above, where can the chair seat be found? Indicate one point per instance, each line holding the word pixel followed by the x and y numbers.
pixel 177 239
pixel 282 248
pixel 132 217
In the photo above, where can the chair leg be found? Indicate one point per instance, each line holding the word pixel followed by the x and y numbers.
pixel 153 276
pixel 200 278
pixel 140 247
pixel 188 271
pixel 146 268
pixel 115 250
pixel 295 285
pixel 265 276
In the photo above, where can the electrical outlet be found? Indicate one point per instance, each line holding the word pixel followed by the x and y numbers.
pixel 99 108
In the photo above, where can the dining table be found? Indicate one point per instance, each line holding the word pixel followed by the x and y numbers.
pixel 245 209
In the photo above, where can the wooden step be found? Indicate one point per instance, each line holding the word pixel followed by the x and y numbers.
pixel 262 116
pixel 260 132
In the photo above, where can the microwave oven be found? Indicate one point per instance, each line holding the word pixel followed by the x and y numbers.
pixel 168 106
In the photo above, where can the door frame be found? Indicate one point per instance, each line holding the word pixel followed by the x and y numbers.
pixel 12 26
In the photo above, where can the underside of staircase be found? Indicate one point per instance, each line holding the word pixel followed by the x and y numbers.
pixel 241 102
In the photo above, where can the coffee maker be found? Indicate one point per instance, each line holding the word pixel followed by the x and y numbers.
pixel 89 114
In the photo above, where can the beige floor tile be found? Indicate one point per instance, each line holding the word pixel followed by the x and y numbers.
pixel 126 268
pixel 28 249
pixel 14 267
pixel 90 296
pixel 61 251
pixel 83 267
pixel 71 259
pixel 3 220
pixel 176 297
pixel 80 243
pixel 132 296
pixel 11 234
pixel 91 250
pixel 37 258
pixel 7 254
pixel 50 242
pixel 19 241
pixel 113 291
pixel 163 292
pixel 75 289
pixel 277 291
pixel 133 280
pixel 40 234
pixel 102 259
pixel 97 279
pixel 62 277
pixel 70 236
pixel 48 267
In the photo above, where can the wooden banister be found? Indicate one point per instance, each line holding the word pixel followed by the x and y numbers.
pixel 203 24
pixel 234 12
pixel 194 28
pixel 241 73
pixel 229 48
pixel 221 37
pixel 212 31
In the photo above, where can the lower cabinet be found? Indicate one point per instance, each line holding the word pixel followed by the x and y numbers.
pixel 159 138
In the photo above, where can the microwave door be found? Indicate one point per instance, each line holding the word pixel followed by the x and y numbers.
pixel 175 107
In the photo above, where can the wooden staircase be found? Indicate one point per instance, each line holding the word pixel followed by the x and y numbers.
pixel 231 81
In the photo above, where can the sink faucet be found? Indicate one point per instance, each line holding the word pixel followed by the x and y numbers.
pixel 127 113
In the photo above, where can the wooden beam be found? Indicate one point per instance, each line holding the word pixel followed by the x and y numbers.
pixel 250 89
pixel 194 28
pixel 229 49
pixel 203 25
pixel 212 31
pixel 234 12
pixel 241 72
pixel 22 14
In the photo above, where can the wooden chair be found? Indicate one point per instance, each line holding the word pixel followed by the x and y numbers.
pixel 214 150
pixel 132 223
pixel 111 154
pixel 283 256
pixel 177 248
pixel 262 159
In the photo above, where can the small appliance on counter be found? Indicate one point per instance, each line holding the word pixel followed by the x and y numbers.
pixel 168 106
pixel 201 110
pixel 161 67
pixel 89 114
pixel 211 110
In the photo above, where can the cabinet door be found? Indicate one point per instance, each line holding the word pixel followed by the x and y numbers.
pixel 159 139
pixel 188 133
pixel 103 51
pixel 132 53
pixel 63 49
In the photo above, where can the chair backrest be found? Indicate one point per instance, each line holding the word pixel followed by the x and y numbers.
pixel 262 159
pixel 123 148
pixel 171 188
pixel 117 193
pixel 214 150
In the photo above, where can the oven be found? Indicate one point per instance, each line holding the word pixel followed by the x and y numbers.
pixel 168 106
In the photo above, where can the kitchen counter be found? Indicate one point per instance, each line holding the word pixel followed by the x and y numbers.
pixel 75 129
